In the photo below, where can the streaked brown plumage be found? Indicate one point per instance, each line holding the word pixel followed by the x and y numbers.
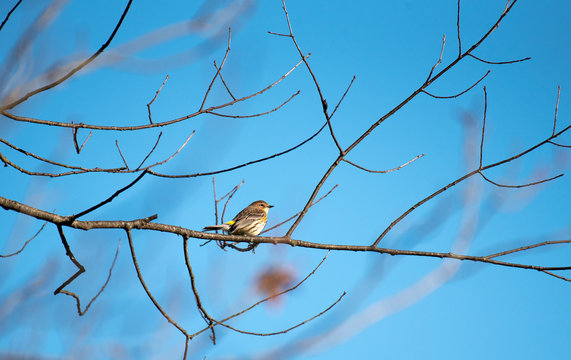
pixel 250 221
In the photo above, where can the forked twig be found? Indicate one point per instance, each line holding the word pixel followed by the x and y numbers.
pixel 150 152
pixel 75 143
pixel 221 322
pixel 80 268
pixel 76 297
pixel 154 98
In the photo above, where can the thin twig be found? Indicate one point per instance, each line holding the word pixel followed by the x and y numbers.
pixel 458 94
pixel 120 153
pixel 75 69
pixel 26 243
pixel 458 30
pixel 498 62
pixel 77 147
pixel 27 153
pixel 217 70
pixel 147 126
pixel 209 320
pixel 76 297
pixel 290 328
pixel 241 165
pixel 523 248
pixel 257 114
pixel 108 200
pixel 154 98
pixel 519 186
pixel 483 125
pixel 556 110
pixel 342 97
pixel 80 268
pixel 224 82
pixel 150 152
pixel 142 281
pixel 439 59
pixel 293 216
pixel 384 171
pixel 267 298
pixel 10 13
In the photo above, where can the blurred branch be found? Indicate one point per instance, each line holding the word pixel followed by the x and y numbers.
pixel 146 126
pixel 53 84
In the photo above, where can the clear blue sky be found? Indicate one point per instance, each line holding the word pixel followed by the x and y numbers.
pixel 404 307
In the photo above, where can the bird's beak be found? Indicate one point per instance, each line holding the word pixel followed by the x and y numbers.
pixel 271 206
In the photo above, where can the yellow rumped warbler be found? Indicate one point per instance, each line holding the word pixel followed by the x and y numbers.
pixel 250 221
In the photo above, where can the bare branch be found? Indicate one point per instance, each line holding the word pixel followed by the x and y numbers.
pixel 154 98
pixel 273 296
pixel 384 171
pixel 290 328
pixel 498 62
pixel 120 153
pixel 523 248
pixel 26 243
pixel 108 200
pixel 560 145
pixel 293 216
pixel 342 97
pixel 458 30
pixel 10 13
pixel 209 320
pixel 483 125
pixel 519 186
pixel 458 94
pixel 224 82
pixel 427 83
pixel 147 126
pixel 241 165
pixel 439 59
pixel 75 69
pixel 150 152
pixel 76 297
pixel 217 70
pixel 258 114
pixel 556 110
pixel 75 143
pixel 80 268
pixel 140 276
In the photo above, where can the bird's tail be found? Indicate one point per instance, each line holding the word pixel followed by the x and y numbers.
pixel 224 227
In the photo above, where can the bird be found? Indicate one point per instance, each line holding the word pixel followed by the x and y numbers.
pixel 250 221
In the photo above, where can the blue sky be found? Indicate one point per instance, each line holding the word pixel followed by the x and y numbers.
pixel 395 307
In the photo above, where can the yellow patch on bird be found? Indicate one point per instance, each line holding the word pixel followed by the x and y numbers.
pixel 231 222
